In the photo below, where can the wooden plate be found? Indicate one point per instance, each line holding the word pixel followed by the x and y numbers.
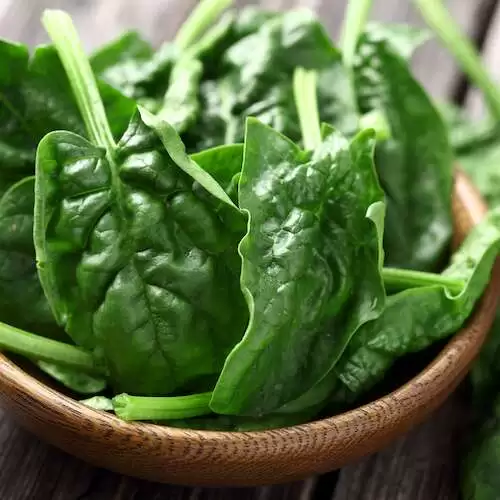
pixel 221 458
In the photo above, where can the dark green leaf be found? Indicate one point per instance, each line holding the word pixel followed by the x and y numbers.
pixel 180 105
pixel 22 301
pixel 120 63
pixel 310 270
pixel 257 81
pixel 76 381
pixel 130 65
pixel 416 318
pixel 134 264
pixel 414 165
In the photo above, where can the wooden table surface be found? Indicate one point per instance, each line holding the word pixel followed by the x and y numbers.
pixel 422 465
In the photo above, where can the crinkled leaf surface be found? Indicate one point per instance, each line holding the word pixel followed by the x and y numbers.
pixel 135 265
pixel 416 318
pixel 257 81
pixel 310 266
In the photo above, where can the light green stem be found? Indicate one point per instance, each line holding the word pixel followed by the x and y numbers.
pixel 44 349
pixel 60 28
pixel 402 279
pixel 354 24
pixel 306 100
pixel 202 16
pixel 161 408
pixel 439 19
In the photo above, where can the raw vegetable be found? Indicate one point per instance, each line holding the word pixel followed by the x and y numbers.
pixel 242 286
pixel 143 278
pixel 309 239
pixel 414 164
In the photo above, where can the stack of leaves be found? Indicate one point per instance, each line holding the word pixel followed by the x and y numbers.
pixel 242 230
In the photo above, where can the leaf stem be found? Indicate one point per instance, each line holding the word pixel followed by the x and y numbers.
pixel 161 408
pixel 60 28
pixel 439 19
pixel 401 279
pixel 354 24
pixel 202 16
pixel 44 349
pixel 306 100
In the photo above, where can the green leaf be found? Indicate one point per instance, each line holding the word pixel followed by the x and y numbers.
pixel 403 39
pixel 77 381
pixel 310 270
pixel 416 318
pixel 180 105
pixel 120 63
pixel 19 285
pixel 100 403
pixel 135 265
pixel 176 149
pixel 230 29
pixel 130 65
pixel 414 165
pixel 36 98
pixel 257 81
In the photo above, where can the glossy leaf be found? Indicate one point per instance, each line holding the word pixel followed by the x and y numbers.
pixel 180 105
pixel 257 81
pixel 77 381
pixel 120 63
pixel 134 264
pixel 414 165
pixel 416 318
pixel 22 301
pixel 310 266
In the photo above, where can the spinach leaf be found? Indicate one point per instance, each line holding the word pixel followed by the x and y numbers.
pixel 180 105
pixel 257 81
pixel 415 318
pixel 223 163
pixel 402 38
pixel 230 29
pixel 310 265
pixel 415 164
pixel 36 99
pixel 19 285
pixel 121 62
pixel 134 264
pixel 75 380
pixel 100 403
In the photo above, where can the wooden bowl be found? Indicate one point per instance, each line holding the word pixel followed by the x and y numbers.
pixel 222 458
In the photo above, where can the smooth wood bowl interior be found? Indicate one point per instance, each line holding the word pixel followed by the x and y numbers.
pixel 222 458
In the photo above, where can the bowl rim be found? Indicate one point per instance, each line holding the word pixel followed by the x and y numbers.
pixel 360 431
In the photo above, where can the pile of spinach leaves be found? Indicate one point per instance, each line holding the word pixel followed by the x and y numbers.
pixel 243 229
